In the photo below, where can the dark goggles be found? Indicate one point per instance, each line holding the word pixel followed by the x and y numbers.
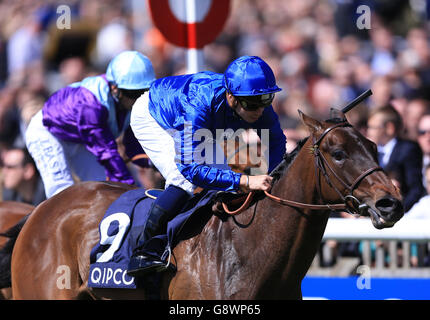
pixel 423 132
pixel 253 103
pixel 133 94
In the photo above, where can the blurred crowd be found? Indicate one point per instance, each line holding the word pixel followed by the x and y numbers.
pixel 321 55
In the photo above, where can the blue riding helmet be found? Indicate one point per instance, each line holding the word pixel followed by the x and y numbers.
pixel 250 76
pixel 130 70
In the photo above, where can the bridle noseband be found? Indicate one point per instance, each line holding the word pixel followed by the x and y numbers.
pixel 350 203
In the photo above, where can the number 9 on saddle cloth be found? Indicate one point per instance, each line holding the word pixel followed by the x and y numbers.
pixel 121 227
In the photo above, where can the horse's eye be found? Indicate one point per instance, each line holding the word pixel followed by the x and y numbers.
pixel 338 155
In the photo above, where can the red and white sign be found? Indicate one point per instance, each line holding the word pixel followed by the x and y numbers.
pixel 189 23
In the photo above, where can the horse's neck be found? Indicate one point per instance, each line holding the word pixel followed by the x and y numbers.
pixel 268 258
pixel 291 235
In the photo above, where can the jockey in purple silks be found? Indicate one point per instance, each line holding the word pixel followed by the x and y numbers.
pixel 75 131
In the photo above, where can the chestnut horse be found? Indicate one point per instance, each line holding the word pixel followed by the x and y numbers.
pixel 10 213
pixel 266 259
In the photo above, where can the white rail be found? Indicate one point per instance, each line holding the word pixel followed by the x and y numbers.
pixel 406 245
pixel 342 229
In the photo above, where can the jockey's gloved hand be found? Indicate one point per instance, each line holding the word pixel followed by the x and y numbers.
pixel 253 183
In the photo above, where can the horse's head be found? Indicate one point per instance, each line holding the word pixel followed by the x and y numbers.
pixel 348 170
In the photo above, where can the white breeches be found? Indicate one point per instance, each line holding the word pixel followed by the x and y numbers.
pixel 57 159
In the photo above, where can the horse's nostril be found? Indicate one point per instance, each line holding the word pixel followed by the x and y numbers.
pixel 384 203
pixel 388 205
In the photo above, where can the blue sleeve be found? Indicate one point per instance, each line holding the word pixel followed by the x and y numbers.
pixel 209 177
pixel 198 117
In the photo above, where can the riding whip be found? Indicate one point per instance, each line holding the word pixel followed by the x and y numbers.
pixel 357 100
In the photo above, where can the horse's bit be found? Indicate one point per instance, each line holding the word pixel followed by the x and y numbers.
pixel 350 203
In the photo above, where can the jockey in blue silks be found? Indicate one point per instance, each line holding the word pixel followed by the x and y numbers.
pixel 169 123
pixel 75 131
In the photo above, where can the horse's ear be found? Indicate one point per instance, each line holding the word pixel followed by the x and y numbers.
pixel 337 114
pixel 312 124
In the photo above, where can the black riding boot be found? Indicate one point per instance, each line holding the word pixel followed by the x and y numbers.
pixel 164 208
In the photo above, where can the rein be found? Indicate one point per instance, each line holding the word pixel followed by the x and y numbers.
pixel 320 167
pixel 137 157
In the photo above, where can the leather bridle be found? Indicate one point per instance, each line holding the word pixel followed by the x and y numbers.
pixel 350 203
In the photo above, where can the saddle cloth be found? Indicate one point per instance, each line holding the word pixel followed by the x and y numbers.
pixel 121 225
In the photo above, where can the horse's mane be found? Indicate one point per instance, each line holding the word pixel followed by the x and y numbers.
pixel 287 160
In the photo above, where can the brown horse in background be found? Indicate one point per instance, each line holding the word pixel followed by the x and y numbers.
pixel 265 260
pixel 11 213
